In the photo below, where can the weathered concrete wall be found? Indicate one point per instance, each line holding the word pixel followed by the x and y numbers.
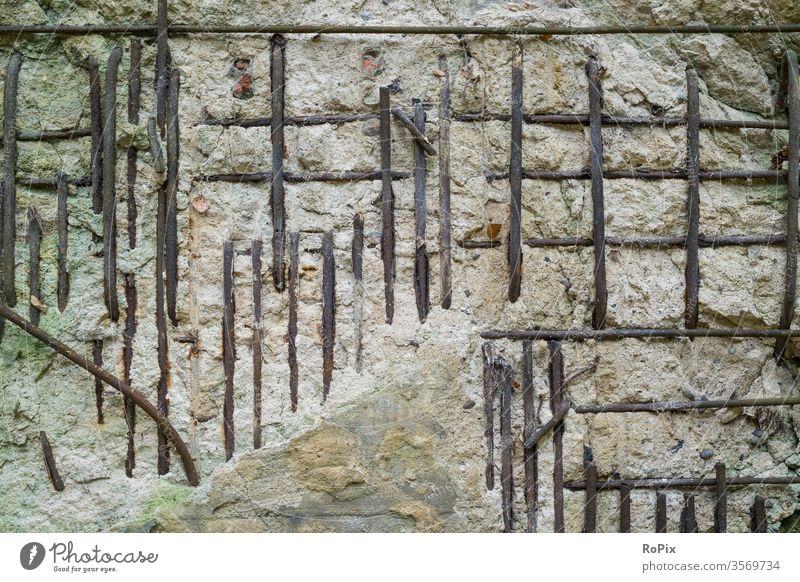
pixel 399 446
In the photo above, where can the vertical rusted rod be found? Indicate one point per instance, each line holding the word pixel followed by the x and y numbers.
pixel 421 288
pixel 556 373
pixel 503 374
pixel 688 517
pixel 444 184
pixel 228 345
pixel 131 302
pixel 134 98
pixel 661 512
pixel 530 419
pixel 790 278
pixel 10 177
pixel 387 199
pixel 97 359
pixel 625 509
pixel 258 246
pixel 109 185
pixel 162 62
pixel 328 312
pixel 277 80
pixel 161 329
pixel 62 224
pixel 590 502
pixel 357 255
pixel 693 202
pixel 96 115
pixel 598 207
pixel 758 516
pixel 171 227
pixel 34 272
pixel 489 394
pixel 721 503
pixel 515 176
pixel 50 462
pixel 294 281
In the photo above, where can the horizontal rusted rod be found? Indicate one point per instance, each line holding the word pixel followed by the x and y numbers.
pixel 297 120
pixel 504 30
pixel 644 174
pixel 51 134
pixel 408 123
pixel 684 405
pixel 137 397
pixel 647 241
pixel 296 177
pixel 663 482
pixel 52 183
pixel 633 332
pixel 534 437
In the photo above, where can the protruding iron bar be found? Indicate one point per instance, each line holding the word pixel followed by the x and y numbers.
pixel 171 227
pixel 387 204
pixel 134 98
pixel 277 85
pixel 625 509
pixel 661 512
pixel 480 244
pixel 598 204
pixel 556 374
pixel 161 330
pixel 258 246
pixel 758 516
pixel 503 375
pixel 421 285
pixel 532 438
pixel 357 255
pixel 652 241
pixel 669 482
pixel 489 395
pixel 515 177
pixel 531 454
pixel 688 517
pixel 228 346
pixel 35 299
pixel 294 282
pixel 693 201
pixel 413 127
pixel 590 498
pixel 156 151
pixel 99 398
pixel 109 185
pixel 635 332
pixel 96 120
pixel 644 174
pixel 685 405
pixel 131 303
pixel 62 225
pixel 296 120
pixel 137 397
pixel 50 462
pixel 790 69
pixel 51 134
pixel 162 64
pixel 328 312
pixel 10 178
pixel 445 281
pixel 721 502
pixel 304 177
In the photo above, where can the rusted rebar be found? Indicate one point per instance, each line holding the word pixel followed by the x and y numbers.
pixel 445 281
pixel 97 358
pixel 590 498
pixel 721 499
pixel 515 176
pixel 162 63
pixel 665 482
pixel 758 516
pixel 228 346
pixel 792 99
pixel 296 120
pixel 387 205
pixel 635 332
pixel 504 377
pixel 661 512
pixel 109 185
pixel 556 377
pixel 598 204
pixel 644 174
pixel 258 246
pixel 489 395
pixel 131 304
pixel 304 177
pixel 96 122
pixel 140 401
pixel 653 241
pixel 328 312
pixel 161 331
pixel 62 226
pixel 50 462
pixel 531 454
pixel 156 151
pixel 10 178
pixel 421 285
pixel 277 85
pixel 688 518
pixel 685 405
pixel 693 202
pixel 625 509
pixel 294 282
pixel 35 299
pixel 171 226
pixel 532 438
pixel 134 98
pixel 413 127
pixel 357 255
